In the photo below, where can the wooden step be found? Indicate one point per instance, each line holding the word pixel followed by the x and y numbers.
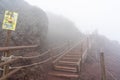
pixel 68 62
pixel 63 74
pixel 75 56
pixel 69 65
pixel 69 57
pixel 71 60
pixel 65 68
pixel 74 53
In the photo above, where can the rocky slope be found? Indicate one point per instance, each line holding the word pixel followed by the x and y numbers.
pixel 32 24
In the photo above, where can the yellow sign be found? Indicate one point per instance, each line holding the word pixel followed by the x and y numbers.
pixel 10 20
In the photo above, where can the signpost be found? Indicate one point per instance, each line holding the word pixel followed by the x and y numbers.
pixel 9 23
pixel 10 20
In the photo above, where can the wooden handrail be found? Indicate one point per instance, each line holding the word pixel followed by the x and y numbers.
pixel 16 47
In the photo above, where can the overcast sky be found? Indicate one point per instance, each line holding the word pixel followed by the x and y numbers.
pixel 88 15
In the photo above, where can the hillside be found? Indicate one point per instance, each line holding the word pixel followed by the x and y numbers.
pixel 32 24
pixel 62 30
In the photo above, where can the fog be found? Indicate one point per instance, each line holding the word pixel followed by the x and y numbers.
pixel 88 15
pixel 65 49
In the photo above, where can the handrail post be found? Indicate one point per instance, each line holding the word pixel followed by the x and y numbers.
pixel 103 72
pixel 7 53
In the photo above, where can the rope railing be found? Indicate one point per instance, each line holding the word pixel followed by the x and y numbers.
pixel 8 62
pixel 20 57
pixel 31 57
pixel 44 61
pixel 33 64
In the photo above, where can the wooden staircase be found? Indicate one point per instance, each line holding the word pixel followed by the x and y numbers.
pixel 68 66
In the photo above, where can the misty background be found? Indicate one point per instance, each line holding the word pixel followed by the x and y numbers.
pixel 88 15
pixel 55 22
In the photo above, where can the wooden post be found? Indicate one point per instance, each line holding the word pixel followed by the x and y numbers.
pixel 81 51
pixel 52 54
pixel 7 53
pixel 81 64
pixel 68 44
pixel 103 72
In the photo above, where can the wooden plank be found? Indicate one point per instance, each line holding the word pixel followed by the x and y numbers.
pixel 16 47
pixel 64 74
pixel 64 68
pixel 68 62
pixel 69 58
